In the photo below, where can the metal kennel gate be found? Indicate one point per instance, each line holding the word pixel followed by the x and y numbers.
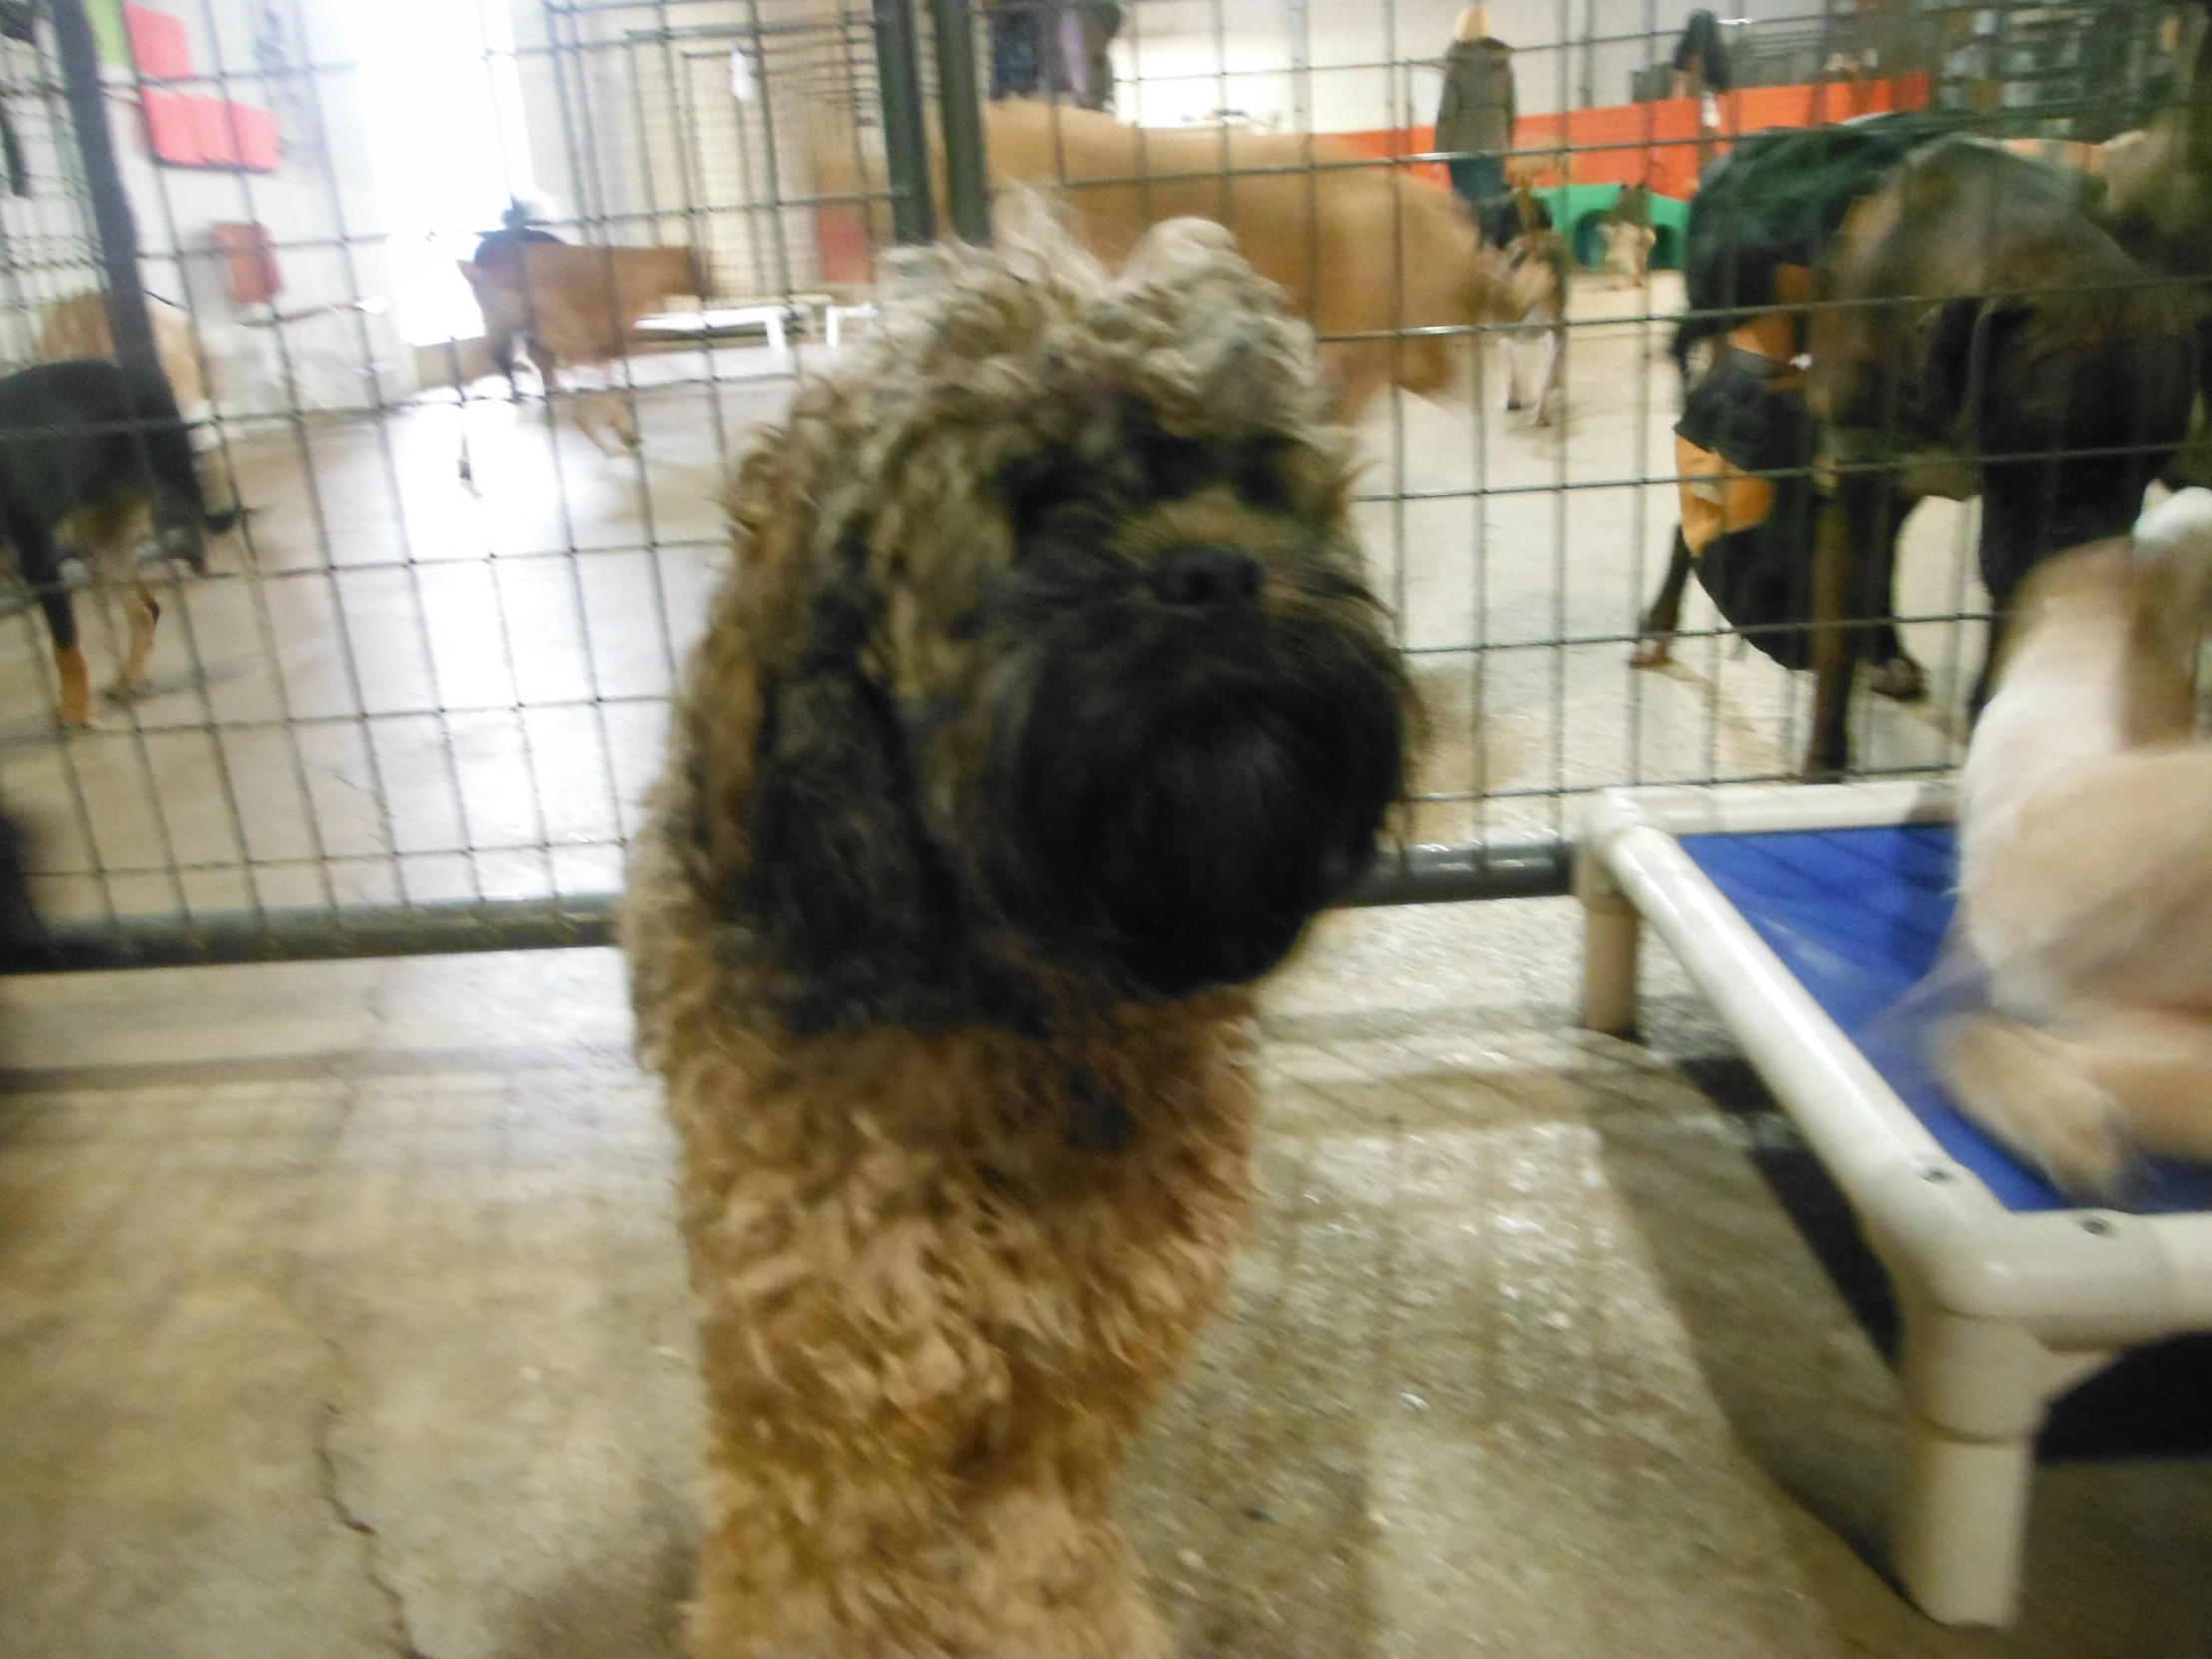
pixel 411 710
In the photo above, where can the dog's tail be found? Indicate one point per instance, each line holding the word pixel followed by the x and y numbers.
pixel 2079 1103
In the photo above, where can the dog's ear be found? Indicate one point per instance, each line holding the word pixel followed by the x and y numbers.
pixel 1965 340
pixel 842 883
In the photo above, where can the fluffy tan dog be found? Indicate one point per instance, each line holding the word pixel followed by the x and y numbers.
pixel 1040 709
pixel 2086 866
pixel 1362 249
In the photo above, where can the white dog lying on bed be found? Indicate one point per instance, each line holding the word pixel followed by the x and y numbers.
pixel 2086 866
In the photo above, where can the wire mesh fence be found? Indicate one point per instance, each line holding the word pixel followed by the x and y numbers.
pixel 402 270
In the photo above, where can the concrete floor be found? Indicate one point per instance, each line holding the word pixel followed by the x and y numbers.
pixel 404 686
pixel 342 1314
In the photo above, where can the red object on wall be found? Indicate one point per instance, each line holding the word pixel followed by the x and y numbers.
pixel 170 133
pixel 186 129
pixel 249 262
pixel 256 131
pixel 158 43
pixel 214 136
pixel 841 237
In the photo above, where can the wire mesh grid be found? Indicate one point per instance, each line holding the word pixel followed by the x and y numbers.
pixel 416 701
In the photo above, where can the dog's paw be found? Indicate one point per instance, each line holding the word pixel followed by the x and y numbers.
pixel 2023 1086
pixel 1900 678
pixel 1652 651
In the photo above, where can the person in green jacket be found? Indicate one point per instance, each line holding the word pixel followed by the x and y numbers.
pixel 1477 114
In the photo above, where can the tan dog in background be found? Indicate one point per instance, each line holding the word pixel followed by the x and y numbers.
pixel 577 307
pixel 77 327
pixel 1362 249
pixel 2086 866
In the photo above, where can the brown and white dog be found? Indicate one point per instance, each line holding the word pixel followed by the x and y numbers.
pixel 1532 296
pixel 2086 866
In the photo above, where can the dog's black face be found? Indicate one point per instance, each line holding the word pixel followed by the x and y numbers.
pixel 1194 718
pixel 1045 677
pixel 1137 747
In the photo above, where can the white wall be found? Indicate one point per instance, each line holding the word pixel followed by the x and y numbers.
pixel 1171 47
pixel 647 142
pixel 321 195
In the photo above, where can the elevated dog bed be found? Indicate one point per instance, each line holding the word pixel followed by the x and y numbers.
pixel 1806 915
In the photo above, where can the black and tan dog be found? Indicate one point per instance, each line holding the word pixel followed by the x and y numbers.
pixel 94 454
pixel 1972 330
pixel 1041 708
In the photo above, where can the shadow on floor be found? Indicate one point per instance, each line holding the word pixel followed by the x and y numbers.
pixel 2152 1404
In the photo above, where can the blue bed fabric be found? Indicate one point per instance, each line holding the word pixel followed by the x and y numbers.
pixel 1858 916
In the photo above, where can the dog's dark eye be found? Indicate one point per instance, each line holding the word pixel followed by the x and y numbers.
pixel 1032 485
pixel 1176 467
pixel 1256 474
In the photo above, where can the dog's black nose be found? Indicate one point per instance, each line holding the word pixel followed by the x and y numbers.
pixel 1205 575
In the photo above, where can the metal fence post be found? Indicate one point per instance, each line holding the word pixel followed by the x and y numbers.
pixel 905 145
pixel 128 324
pixel 967 164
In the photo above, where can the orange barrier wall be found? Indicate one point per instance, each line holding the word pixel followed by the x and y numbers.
pixel 1656 142
pixel 1619 144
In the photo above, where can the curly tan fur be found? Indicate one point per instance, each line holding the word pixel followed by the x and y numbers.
pixel 2084 850
pixel 955 1210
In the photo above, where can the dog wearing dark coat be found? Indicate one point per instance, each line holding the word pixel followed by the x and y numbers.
pixel 1041 708
pixel 95 454
pixel 1987 336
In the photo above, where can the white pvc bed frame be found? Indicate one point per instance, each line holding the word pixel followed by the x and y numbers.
pixel 2003 1311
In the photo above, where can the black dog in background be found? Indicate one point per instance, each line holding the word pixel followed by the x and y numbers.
pixel 96 454
pixel 1977 333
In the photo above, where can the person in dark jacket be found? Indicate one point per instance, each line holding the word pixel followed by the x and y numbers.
pixel 1701 72
pixel 1475 115
pixel 518 224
